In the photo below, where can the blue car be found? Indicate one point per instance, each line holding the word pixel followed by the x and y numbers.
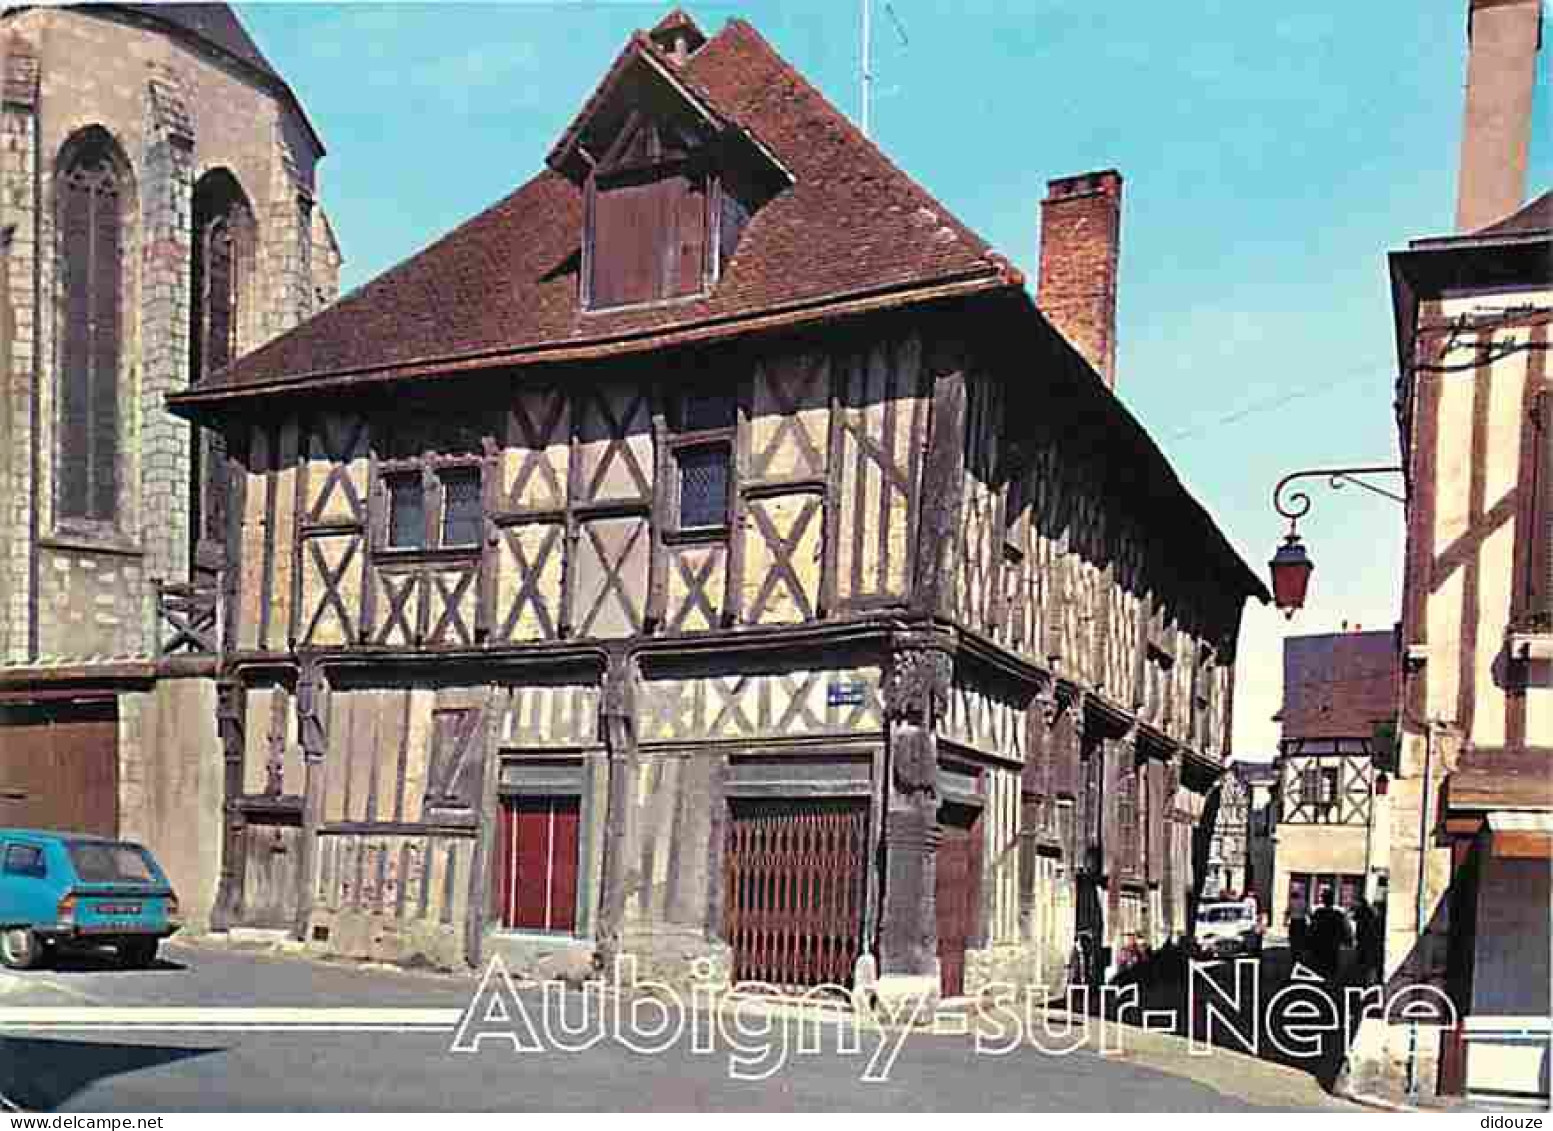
pixel 62 891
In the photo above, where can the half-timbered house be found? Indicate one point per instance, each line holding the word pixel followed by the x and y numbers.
pixel 709 552
pixel 1472 797
pixel 1332 826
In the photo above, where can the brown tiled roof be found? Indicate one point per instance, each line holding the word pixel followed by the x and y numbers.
pixel 1339 685
pixel 503 287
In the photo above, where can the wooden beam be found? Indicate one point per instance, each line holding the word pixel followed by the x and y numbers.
pixel 940 511
pixel 485 845
pixel 1522 844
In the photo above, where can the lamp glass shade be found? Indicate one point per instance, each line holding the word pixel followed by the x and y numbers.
pixel 1291 568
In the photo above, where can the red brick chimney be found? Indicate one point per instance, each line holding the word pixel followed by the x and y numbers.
pixel 1081 231
pixel 1503 37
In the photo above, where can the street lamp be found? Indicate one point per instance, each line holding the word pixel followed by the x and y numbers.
pixel 1291 566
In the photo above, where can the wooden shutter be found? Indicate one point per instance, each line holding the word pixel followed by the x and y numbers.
pixel 648 238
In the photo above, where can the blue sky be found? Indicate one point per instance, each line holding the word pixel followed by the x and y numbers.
pixel 1272 155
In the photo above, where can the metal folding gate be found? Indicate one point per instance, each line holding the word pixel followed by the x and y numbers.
pixel 794 892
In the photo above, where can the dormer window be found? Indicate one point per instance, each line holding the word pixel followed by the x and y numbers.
pixel 648 219
pixel 669 182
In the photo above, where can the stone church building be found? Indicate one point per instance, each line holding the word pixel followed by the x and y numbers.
pixel 159 215
pixel 710 552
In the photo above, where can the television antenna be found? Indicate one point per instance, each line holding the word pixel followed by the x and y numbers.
pixel 868 68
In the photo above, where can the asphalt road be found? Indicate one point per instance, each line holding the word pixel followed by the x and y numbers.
pixel 383 1070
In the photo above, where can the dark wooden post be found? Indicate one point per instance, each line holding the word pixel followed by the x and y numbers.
pixel 1037 799
pixel 310 723
pixel 485 840
pixel 916 695
pixel 932 589
pixel 618 724
pixel 230 712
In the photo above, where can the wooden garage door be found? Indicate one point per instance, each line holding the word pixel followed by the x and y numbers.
pixel 794 891
pixel 59 767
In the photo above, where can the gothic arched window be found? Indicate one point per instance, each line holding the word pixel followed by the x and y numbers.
pixel 92 187
pixel 222 253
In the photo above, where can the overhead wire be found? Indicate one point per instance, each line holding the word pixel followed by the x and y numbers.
pixel 1369 370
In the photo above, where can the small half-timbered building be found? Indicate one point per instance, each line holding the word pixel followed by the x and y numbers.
pixel 1332 829
pixel 710 552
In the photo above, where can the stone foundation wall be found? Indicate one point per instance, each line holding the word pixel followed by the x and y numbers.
pixel 379 938
pixel 1395 1063
pixel 170 787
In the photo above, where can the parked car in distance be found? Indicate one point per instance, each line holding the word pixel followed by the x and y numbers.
pixel 69 891
pixel 1228 929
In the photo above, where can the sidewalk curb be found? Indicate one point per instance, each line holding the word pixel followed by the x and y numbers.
pixel 1364 1099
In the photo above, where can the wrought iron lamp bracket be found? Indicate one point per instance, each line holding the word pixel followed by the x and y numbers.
pixel 1297 503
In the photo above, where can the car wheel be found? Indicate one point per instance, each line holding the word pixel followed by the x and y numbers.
pixel 19 948
pixel 137 953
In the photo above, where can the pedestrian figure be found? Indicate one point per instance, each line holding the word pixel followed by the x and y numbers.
pixel 1328 935
pixel 1299 936
pixel 1367 941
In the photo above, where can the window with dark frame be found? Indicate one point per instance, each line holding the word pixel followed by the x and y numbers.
pixel 443 509
pixel 703 486
pixel 91 207
pixel 462 517
pixel 1310 786
pixel 705 420
pixel 406 510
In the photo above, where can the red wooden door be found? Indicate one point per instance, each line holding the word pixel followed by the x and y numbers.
pixel 536 863
pixel 793 894
pixel 957 893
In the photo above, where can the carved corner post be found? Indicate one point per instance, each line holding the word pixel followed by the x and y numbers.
pixel 231 701
pixel 617 721
pixel 916 695
pixel 311 692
